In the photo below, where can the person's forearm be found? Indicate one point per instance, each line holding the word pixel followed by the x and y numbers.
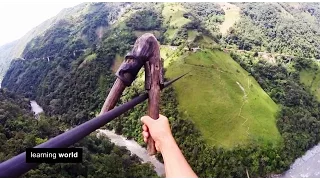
pixel 176 166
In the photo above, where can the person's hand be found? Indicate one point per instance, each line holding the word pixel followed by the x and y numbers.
pixel 158 129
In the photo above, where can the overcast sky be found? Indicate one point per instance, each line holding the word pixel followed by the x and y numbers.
pixel 18 17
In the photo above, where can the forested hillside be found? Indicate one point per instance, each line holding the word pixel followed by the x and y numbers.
pixel 285 28
pixel 235 114
pixel 101 158
pixel 75 15
pixel 15 49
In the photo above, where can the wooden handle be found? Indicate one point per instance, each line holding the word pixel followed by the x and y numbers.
pixel 153 112
pixel 152 73
pixel 146 47
pixel 141 49
pixel 113 96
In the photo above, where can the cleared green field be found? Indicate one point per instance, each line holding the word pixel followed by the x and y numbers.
pixel 173 13
pixel 170 33
pixel 206 41
pixel 232 15
pixel 226 104
pixel 311 79
pixel 192 35
pixel 169 54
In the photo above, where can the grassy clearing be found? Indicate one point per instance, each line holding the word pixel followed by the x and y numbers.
pixel 232 15
pixel 91 57
pixel 192 35
pixel 290 67
pixel 88 59
pixel 228 106
pixel 170 33
pixel 206 41
pixel 173 13
pixel 169 54
pixel 311 79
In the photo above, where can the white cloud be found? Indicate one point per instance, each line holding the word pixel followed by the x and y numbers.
pixel 18 17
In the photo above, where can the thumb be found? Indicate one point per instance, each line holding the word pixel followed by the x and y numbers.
pixel 146 120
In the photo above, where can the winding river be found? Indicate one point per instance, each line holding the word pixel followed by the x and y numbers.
pixel 308 166
pixel 136 149
pixel 118 140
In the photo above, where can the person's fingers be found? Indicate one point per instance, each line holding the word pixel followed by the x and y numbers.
pixel 146 120
pixel 145 139
pixel 157 147
pixel 161 116
pixel 144 127
pixel 145 134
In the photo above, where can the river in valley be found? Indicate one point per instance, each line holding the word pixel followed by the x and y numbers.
pixel 136 149
pixel 306 166
pixel 119 140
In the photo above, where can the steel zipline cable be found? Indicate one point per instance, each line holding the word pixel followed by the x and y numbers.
pixel 17 165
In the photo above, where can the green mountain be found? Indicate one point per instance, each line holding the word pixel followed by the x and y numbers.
pixel 229 99
pixel 284 28
pixel 248 105
pixel 175 25
pixel 6 58
pixel 15 49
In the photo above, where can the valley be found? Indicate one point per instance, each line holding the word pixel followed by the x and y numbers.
pixel 248 107
pixel 118 140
